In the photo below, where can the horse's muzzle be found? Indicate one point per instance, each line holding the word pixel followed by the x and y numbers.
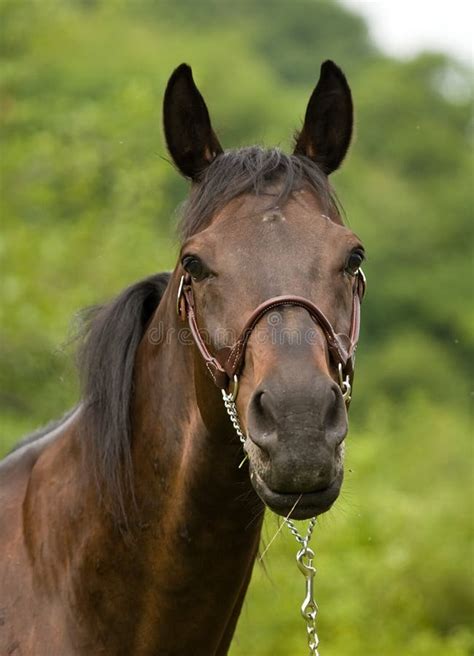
pixel 295 445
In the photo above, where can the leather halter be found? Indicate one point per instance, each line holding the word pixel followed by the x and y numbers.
pixel 227 363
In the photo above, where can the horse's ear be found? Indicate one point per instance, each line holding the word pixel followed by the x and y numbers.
pixel 189 136
pixel 327 129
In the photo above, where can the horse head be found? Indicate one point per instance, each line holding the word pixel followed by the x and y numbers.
pixel 269 278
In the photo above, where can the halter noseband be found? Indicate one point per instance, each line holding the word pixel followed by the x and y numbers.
pixel 227 363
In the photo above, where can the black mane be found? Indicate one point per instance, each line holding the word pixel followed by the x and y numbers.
pixel 252 170
pixel 106 361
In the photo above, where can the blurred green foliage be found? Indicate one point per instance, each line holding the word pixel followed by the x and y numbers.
pixel 88 203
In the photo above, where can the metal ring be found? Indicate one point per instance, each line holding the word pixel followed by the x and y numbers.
pixel 178 298
pixel 339 371
pixel 362 279
pixel 346 391
pixel 344 384
pixel 235 389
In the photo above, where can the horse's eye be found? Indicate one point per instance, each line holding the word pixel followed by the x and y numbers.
pixel 194 267
pixel 354 262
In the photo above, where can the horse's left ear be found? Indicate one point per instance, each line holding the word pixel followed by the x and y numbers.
pixel 189 136
pixel 327 129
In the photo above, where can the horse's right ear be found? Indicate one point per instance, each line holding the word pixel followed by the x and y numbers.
pixel 189 136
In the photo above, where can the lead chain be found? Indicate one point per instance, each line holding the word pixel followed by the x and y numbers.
pixel 305 555
pixel 234 417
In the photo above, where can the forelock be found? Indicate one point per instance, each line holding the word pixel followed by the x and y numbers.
pixel 252 170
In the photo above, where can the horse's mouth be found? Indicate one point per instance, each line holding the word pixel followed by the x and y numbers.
pixel 300 506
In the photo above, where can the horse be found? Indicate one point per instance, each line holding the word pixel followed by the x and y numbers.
pixel 131 526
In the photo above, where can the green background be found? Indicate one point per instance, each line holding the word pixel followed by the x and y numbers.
pixel 88 204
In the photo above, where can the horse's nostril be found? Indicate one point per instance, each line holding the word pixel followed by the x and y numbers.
pixel 261 419
pixel 258 400
pixel 262 406
pixel 265 405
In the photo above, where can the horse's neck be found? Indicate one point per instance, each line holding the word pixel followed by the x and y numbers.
pixel 196 526
pixel 202 516
pixel 189 448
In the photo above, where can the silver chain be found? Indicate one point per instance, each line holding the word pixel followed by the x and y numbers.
pixel 229 402
pixel 305 555
pixel 232 412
